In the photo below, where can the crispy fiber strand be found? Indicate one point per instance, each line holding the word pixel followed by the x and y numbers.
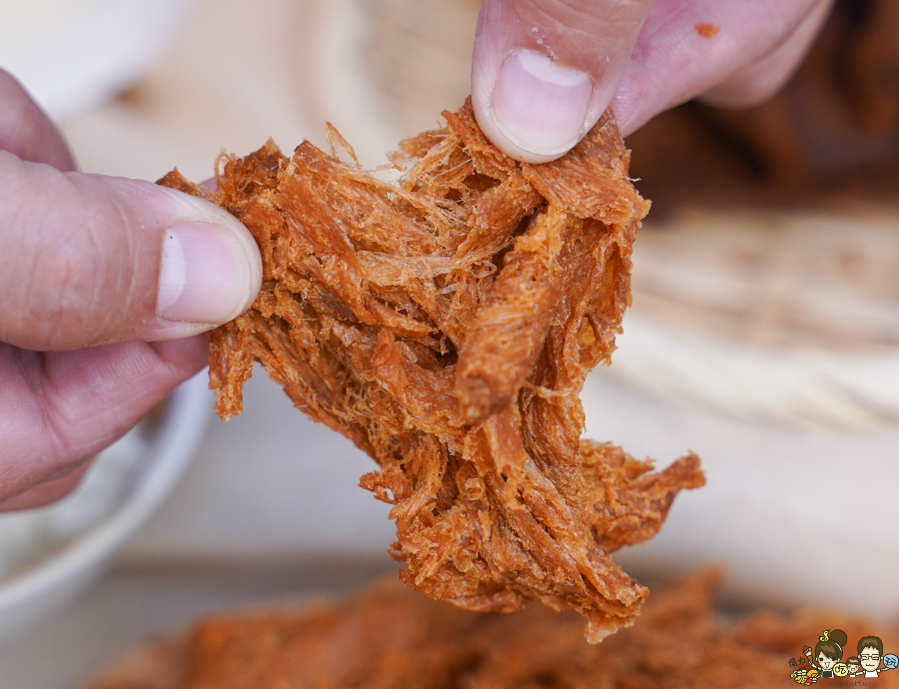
pixel 446 325
pixel 389 638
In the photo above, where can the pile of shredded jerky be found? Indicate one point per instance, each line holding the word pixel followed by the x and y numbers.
pixel 446 325
pixel 389 638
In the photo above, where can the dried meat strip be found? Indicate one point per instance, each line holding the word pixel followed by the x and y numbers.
pixel 446 324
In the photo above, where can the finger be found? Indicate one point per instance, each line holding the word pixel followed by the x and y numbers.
pixel 758 82
pixel 86 259
pixel 26 131
pixel 543 71
pixel 686 49
pixel 60 408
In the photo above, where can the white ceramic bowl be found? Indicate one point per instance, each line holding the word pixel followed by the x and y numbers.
pixel 155 455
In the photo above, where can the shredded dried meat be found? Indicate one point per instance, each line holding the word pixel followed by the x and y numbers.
pixel 446 325
pixel 389 638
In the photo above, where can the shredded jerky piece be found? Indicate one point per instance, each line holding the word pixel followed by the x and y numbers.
pixel 388 638
pixel 446 326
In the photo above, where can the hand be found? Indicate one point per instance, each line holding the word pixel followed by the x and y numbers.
pixel 97 276
pixel 544 71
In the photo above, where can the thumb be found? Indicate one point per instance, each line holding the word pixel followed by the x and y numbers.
pixel 86 259
pixel 543 71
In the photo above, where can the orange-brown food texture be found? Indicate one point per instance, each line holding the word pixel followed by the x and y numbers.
pixel 389 638
pixel 445 325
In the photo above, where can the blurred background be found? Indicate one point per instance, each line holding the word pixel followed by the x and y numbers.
pixel 762 335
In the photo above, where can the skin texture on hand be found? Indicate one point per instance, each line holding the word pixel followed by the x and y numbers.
pixel 98 275
pixel 543 71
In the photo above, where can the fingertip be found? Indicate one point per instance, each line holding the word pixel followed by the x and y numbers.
pixel 543 72
pixel 537 110
pixel 209 273
pixel 210 270
pixel 759 82
pixel 727 54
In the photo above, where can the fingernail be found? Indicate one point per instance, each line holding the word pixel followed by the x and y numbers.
pixel 540 105
pixel 206 276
